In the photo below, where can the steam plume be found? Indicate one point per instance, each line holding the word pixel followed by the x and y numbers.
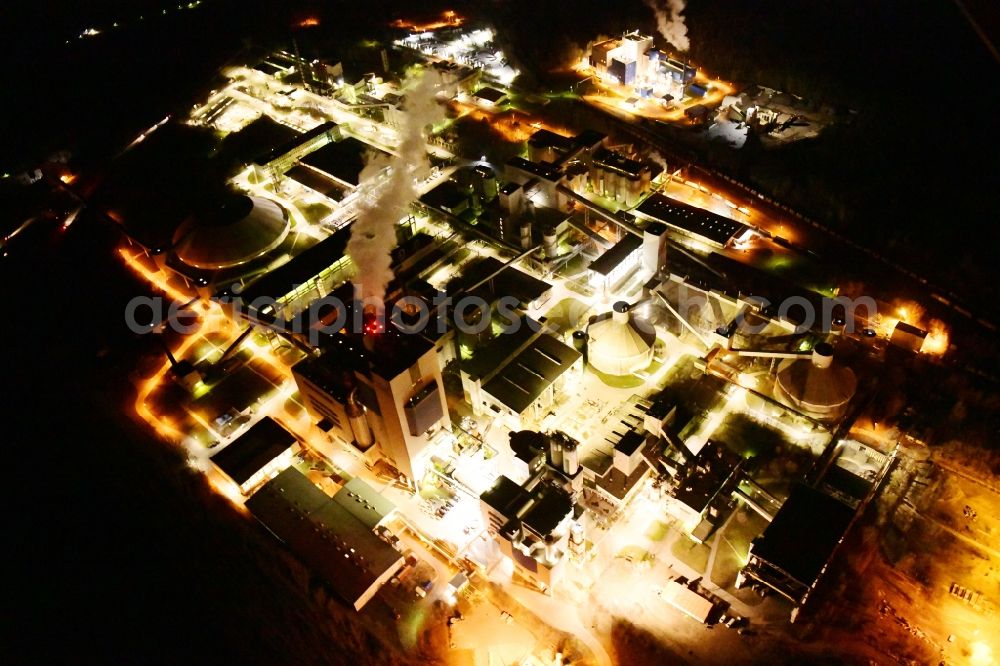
pixel 385 200
pixel 671 25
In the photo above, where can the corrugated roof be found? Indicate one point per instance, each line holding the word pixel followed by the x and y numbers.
pixel 327 537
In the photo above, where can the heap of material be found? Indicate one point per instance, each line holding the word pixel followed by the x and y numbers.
pixel 337 543
pixel 816 386
pixel 236 231
pixel 618 346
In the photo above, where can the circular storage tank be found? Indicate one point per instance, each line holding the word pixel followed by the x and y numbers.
pixel 237 230
pixel 618 346
pixel 816 386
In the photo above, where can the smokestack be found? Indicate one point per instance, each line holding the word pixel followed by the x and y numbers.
pixel 570 458
pixel 555 452
pixel 359 423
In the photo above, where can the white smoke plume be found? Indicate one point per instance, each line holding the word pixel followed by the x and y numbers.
pixel 385 199
pixel 670 22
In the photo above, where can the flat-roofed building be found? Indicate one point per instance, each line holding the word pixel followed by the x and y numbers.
pixel 698 223
pixel 256 455
pixel 620 178
pixel 343 160
pixel 329 538
pixel 908 336
pixel 797 546
pixel 702 486
pixel 530 523
pixel 615 264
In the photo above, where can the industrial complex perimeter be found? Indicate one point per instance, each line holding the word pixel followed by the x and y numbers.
pixel 644 413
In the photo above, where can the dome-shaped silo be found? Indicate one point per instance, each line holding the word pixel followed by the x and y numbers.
pixel 234 231
pixel 618 344
pixel 817 386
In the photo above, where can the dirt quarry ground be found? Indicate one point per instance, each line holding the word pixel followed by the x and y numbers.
pixel 919 582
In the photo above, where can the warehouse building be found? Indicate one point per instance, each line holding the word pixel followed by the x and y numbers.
pixel 256 455
pixel 332 537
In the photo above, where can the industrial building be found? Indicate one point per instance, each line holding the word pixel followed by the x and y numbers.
pixel 699 493
pixel 334 537
pixel 256 455
pixel 532 522
pixel 611 481
pixel 698 223
pixel 518 375
pixel 633 62
pixel 383 389
pixel 908 336
pixel 616 264
pixel 796 547
pixel 620 178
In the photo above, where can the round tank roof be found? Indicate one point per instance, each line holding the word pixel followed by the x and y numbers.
pixel 236 230
pixel 816 385
pixel 618 345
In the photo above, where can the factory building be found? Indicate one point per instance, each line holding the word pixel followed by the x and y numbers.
pixel 285 291
pixel 518 375
pixel 383 389
pixel 701 489
pixel 334 537
pixel 449 198
pixel 697 223
pixel 611 481
pixel 617 177
pixel 632 61
pixel 532 522
pixel 256 455
pixel 490 97
pixel 281 158
pixel 616 264
pixel 908 336
pixel 797 546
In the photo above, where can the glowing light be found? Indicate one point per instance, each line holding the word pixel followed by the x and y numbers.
pixel 981 654
pixel 308 22
pixel 449 19
pixel 67 178
pixel 937 340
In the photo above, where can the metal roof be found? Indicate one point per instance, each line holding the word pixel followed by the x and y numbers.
pixel 804 533
pixel 608 261
pixel 327 537
pixel 691 220
pixel 524 377
pixel 251 451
